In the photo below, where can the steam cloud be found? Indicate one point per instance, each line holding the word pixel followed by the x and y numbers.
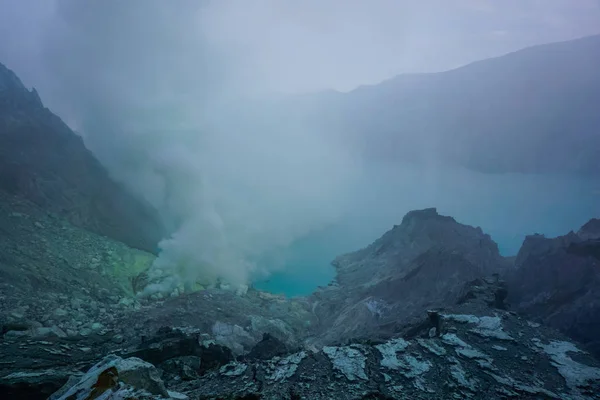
pixel 232 177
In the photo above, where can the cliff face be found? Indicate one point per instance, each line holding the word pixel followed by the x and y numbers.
pixel 556 281
pixel 43 161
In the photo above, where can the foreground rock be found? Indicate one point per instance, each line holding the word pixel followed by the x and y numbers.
pixel 466 351
pixel 117 378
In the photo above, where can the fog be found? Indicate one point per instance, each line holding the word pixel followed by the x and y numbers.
pixel 506 206
pixel 180 101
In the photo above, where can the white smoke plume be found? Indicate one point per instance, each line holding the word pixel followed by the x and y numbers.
pixel 233 173
pixel 241 189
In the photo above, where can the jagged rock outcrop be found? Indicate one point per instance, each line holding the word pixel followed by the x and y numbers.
pixel 420 232
pixel 556 281
pixel 44 162
pixel 590 230
pixel 419 264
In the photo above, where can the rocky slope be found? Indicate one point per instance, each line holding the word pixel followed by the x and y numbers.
pixel 44 162
pixel 557 282
pixel 469 350
pixel 57 277
pixel 399 322
pixel 68 234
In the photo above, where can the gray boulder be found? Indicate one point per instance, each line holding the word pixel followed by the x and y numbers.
pixel 117 378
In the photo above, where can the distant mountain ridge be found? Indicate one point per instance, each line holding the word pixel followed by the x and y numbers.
pixel 43 161
pixel 531 111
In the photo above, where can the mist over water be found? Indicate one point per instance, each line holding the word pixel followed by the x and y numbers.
pixel 506 206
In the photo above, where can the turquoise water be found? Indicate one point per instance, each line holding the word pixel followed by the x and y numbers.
pixel 506 206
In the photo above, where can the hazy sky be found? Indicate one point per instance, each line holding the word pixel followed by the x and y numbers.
pixel 283 45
